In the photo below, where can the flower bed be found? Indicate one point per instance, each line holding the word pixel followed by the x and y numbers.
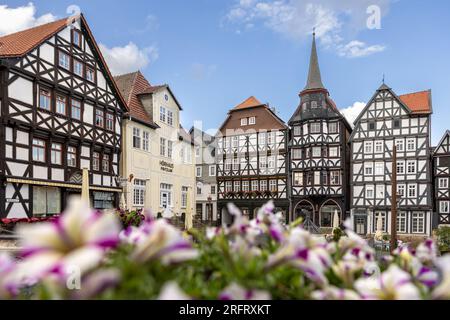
pixel 257 259
pixel 10 224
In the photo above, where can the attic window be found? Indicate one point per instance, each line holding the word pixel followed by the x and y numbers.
pixel 243 121
pixel 251 120
pixel 76 37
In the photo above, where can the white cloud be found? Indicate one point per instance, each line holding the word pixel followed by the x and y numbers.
pixel 353 111
pixel 128 58
pixel 20 18
pixel 295 19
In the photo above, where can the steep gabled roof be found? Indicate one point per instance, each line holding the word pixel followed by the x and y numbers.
pixel 131 85
pixel 446 135
pixel 19 43
pixel 418 102
pixel 248 103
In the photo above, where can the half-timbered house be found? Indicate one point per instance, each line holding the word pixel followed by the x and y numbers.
pixel 60 112
pixel 386 122
pixel 251 159
pixel 319 154
pixel 441 177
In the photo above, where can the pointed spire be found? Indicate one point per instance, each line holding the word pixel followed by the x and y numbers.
pixel 314 78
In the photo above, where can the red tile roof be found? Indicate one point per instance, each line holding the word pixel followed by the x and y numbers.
pixel 248 103
pixel 418 102
pixel 19 43
pixel 131 85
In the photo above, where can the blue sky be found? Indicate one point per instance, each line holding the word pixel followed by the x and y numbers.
pixel 214 54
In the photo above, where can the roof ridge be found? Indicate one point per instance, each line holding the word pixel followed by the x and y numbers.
pixel 32 28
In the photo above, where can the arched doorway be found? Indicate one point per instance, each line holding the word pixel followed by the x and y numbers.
pixel 304 209
pixel 327 211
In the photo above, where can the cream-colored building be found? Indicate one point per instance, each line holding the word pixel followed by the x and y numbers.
pixel 157 158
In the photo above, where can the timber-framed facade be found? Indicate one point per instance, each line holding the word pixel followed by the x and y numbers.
pixel 441 177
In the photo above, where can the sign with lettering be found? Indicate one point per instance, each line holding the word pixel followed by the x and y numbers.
pixel 166 166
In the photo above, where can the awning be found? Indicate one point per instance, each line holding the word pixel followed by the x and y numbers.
pixel 61 185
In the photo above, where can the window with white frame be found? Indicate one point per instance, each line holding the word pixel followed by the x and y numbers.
pixel 369 192
pixel 400 167
pixel 271 162
pixel 334 152
pixel 184 196
pixel 263 185
pixel 400 145
pixel 297 177
pixel 296 153
pixel 332 127
pixel 255 185
pixel 401 222
pixel 146 140
pixel 368 147
pixel 38 150
pixel 212 171
pixel 139 192
pixel 418 222
pixel 236 164
pixel 235 142
pixel 270 138
pixel 162 146
pixel 227 164
pixel 165 195
pixel 411 145
pixel 335 178
pixel 262 138
pixel 273 185
pixel 198 172
pixel 226 142
pixel 379 192
pixel 382 215
pixel 443 183
pixel 169 148
pixel 71 156
pixel 64 60
pixel 401 190
pixel 378 146
pixel 96 161
pixel 245 186
pixel 228 186
pixel 237 186
pixel 136 138
pixel 444 206
pixel 411 166
pixel 412 191
pixel 297 130
pixel 243 121
pixel 105 163
pixel 169 118
pixel 263 162
pixel 368 169
pixel 162 114
pixel 379 168
pixel 317 178
pixel 316 152
pixel 251 120
pixel 315 127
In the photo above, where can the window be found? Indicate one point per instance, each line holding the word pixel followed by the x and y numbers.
pixel 270 138
pixel 165 195
pixel 411 167
pixel 316 178
pixel 169 148
pixel 96 161
pixel 99 118
pixel 411 191
pixel 418 222
pixel 368 146
pixel 235 164
pixel 380 192
pixel 372 125
pixel 212 171
pixel 199 190
pixel 263 185
pixel 396 124
pixel 400 167
pixel 61 103
pixel 411 145
pixel 162 114
pixel 71 156
pixel 105 163
pixel 245 186
pixel 226 142
pixel 308 153
pixel 213 189
pixel 76 37
pixel 369 192
pixel 78 67
pixel 444 206
pixel 227 164
pixel 368 169
pixel 335 178
pixel 382 216
pixel 45 97
pixel 379 168
pixel 146 140
pixel 56 153
pixel 235 142
pixel 46 201
pixel 315 127
pixel 313 104
pixel 271 162
pixel 243 121
pixel 198 171
pixel 251 120
pixel 162 146
pixel 38 150
pixel 228 186
pixel 401 190
pixel 297 130
pixel 443 183
pixel 273 185
pixel 378 146
pixel 401 222
pixel 309 178
pixel 298 178
pixel 64 60
pixel 139 192
pixel 254 185
pixel 296 153
pixel 90 74
pixel 169 118
pixel 237 186
pixel 316 152
pixel 197 151
pixel 136 138
pixel 262 138
pixel 76 109
pixel 400 145
pixel 184 196
pixel 109 121
pixel 262 162
pixel 332 127
pixel 334 152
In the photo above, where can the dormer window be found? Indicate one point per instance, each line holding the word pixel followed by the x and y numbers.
pixel 251 120
pixel 243 121
pixel 76 37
